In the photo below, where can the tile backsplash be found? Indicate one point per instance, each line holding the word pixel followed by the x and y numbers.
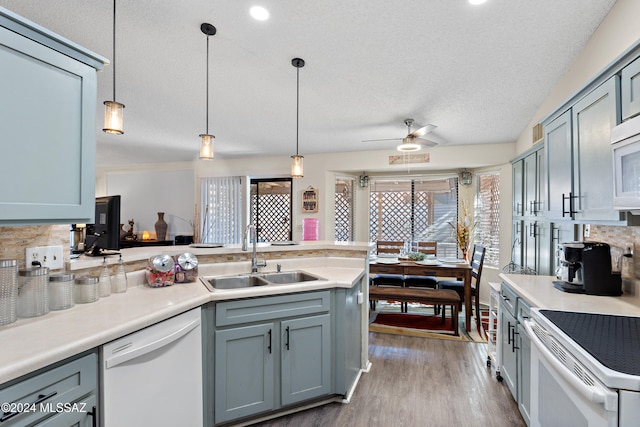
pixel 14 240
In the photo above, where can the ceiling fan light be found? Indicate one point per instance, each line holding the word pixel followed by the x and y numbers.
pixel 113 117
pixel 409 145
pixel 206 147
pixel 297 166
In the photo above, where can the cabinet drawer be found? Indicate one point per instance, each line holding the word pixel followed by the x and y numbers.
pixel 63 384
pixel 385 269
pixel 269 308
pixel 508 299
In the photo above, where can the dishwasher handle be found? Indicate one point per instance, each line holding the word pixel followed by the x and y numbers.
pixel 125 356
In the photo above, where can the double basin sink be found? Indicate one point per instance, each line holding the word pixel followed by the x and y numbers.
pixel 240 281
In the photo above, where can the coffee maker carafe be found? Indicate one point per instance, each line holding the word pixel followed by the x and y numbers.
pixel 570 264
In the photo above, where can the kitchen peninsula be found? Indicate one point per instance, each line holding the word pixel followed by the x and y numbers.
pixel 33 345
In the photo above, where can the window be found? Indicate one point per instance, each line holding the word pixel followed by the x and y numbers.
pixel 221 212
pixel 271 208
pixel 487 215
pixel 344 229
pixel 415 210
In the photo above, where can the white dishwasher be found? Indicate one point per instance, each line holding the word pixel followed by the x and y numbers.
pixel 154 376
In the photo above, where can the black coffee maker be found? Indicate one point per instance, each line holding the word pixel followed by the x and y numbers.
pixel 597 275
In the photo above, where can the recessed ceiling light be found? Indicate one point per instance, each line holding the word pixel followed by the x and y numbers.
pixel 477 1
pixel 259 13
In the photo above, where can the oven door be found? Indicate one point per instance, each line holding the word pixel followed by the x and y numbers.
pixel 563 396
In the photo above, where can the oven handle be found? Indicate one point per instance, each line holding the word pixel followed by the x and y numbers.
pixel 595 393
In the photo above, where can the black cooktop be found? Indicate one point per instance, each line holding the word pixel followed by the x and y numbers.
pixel 613 340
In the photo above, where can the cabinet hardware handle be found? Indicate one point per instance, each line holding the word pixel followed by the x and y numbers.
pixel 287 340
pixel 94 415
pixel 269 346
pixel 571 211
pixel 519 208
pixel 508 332
pixel 41 398
pixel 514 347
pixel 555 233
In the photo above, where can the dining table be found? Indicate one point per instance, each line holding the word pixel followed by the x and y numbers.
pixel 457 268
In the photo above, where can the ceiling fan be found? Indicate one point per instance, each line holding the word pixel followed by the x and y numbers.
pixel 413 140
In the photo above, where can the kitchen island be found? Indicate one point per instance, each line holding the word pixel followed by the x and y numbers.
pixel 36 343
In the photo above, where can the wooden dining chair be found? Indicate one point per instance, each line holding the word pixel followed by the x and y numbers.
pixel 415 281
pixel 389 247
pixel 427 248
pixel 388 279
pixel 477 260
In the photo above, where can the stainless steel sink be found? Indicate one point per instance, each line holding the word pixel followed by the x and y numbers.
pixel 248 280
pixel 235 282
pixel 289 277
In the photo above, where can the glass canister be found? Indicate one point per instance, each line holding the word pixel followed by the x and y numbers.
pixel 161 271
pixel 119 281
pixel 186 268
pixel 104 279
pixel 8 290
pixel 85 289
pixel 33 292
pixel 61 291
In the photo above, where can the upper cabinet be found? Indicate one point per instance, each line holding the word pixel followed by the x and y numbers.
pixel 630 90
pixel 47 116
pixel 579 167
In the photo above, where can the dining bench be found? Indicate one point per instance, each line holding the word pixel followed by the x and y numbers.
pixel 444 297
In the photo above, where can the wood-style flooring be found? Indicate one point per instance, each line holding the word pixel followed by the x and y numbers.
pixel 418 381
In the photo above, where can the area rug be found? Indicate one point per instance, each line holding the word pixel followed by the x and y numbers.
pixel 420 321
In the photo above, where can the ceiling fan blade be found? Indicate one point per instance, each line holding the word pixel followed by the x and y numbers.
pixel 426 142
pixel 423 130
pixel 381 140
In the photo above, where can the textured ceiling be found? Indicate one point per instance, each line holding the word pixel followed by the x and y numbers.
pixel 477 72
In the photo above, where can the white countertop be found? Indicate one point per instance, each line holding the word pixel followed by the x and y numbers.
pixel 30 344
pixel 539 292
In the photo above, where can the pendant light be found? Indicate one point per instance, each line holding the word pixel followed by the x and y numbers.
pixel 296 161
pixel 206 147
pixel 114 111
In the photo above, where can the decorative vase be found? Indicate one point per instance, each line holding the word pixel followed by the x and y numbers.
pixel 161 227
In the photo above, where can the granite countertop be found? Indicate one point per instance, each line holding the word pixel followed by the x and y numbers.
pixel 31 344
pixel 539 292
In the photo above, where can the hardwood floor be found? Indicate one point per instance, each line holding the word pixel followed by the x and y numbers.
pixel 419 382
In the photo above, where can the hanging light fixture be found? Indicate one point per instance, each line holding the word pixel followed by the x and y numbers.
pixel 206 147
pixel 113 111
pixel 296 161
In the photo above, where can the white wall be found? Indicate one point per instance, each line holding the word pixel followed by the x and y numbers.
pixel 617 32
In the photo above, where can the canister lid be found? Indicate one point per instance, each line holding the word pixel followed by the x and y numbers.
pixel 162 263
pixel 61 277
pixel 4 263
pixel 88 280
pixel 33 271
pixel 187 261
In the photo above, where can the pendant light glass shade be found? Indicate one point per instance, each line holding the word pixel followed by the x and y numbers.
pixel 113 117
pixel 114 111
pixel 296 161
pixel 206 147
pixel 297 166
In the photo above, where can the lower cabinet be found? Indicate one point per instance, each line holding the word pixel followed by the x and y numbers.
pixel 64 394
pixel 509 369
pixel 270 353
pixel 524 361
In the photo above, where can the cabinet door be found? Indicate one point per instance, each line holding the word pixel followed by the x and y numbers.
pixel 47 117
pixel 77 414
pixel 543 243
pixel 593 117
pixel 518 182
pixel 541 176
pixel 508 354
pixel 631 90
pixel 558 160
pixel 530 188
pixel 530 247
pixel 244 371
pixel 306 358
pixel 518 242
pixel 524 372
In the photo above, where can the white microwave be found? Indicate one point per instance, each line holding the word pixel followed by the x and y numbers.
pixel 625 146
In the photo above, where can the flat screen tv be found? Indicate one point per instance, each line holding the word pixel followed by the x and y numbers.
pixel 103 237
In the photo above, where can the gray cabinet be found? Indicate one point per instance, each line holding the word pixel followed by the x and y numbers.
pixel 63 394
pixel 508 325
pixel 630 90
pixel 518 183
pixel 559 173
pixel 47 117
pixel 523 345
pixel 271 352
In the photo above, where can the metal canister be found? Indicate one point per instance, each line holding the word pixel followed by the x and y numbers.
pixel 33 292
pixel 8 290
pixel 186 268
pixel 86 289
pixel 61 291
pixel 161 271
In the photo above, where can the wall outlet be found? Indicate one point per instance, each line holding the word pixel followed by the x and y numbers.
pixel 47 256
pixel 587 230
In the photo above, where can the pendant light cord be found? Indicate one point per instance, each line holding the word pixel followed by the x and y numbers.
pixel 207 125
pixel 297 105
pixel 114 51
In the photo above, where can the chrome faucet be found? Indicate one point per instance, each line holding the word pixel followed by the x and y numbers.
pixel 255 264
